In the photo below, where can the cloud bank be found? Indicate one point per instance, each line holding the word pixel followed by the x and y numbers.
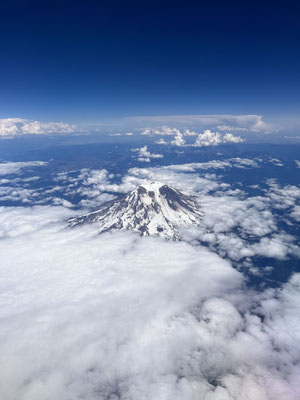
pixel 10 127
pixel 250 123
pixel 206 138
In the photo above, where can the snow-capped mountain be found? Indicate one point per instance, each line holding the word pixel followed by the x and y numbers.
pixel 150 209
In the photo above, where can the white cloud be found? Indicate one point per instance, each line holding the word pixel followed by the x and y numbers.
pixel 161 131
pixel 230 128
pixel 208 138
pixel 161 141
pixel 276 162
pixel 282 197
pixel 10 127
pixel 251 123
pixel 178 140
pixel 237 228
pixel 187 182
pixel 37 127
pixel 119 316
pixel 144 155
pixel 15 167
pixel 230 138
pixel 296 213
pixel 277 246
pixel 165 130
pixel 229 216
pixel 187 132
pixel 175 175
pixel 89 184
pixel 231 220
pixel 146 132
pixel 215 164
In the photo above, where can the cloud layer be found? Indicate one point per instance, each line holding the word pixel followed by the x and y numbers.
pixel 122 317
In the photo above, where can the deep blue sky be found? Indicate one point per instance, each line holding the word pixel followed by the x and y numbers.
pixel 87 61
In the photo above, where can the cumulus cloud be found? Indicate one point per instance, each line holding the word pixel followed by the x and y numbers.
pixel 162 131
pixel 161 141
pixel 144 155
pixel 230 138
pixel 241 228
pixel 276 161
pixel 208 138
pixel 187 132
pixel 37 127
pixel 296 213
pixel 87 187
pixel 282 197
pixel 178 140
pixel 10 127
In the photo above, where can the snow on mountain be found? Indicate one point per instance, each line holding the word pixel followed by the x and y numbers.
pixel 150 209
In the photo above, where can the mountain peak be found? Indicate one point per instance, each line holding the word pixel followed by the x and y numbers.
pixel 150 209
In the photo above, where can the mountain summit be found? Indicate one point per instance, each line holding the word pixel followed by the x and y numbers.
pixel 150 209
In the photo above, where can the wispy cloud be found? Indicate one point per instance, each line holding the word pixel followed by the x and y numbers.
pixel 15 167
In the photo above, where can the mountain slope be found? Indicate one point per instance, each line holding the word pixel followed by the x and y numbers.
pixel 150 209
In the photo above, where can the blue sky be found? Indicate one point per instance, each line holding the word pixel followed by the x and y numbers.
pixel 90 63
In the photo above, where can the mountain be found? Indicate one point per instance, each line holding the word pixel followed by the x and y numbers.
pixel 150 209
